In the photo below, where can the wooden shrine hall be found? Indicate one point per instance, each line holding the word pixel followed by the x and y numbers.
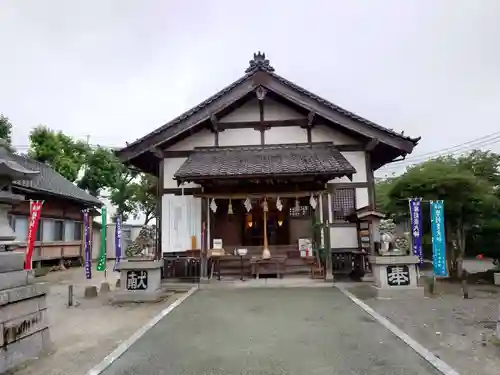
pixel 265 178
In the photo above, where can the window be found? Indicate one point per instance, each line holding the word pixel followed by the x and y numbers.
pixel 48 227
pixel 58 230
pixel 343 203
pixel 21 227
pixel 69 230
pixel 77 231
pixel 39 232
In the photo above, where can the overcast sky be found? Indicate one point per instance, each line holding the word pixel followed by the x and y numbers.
pixel 116 70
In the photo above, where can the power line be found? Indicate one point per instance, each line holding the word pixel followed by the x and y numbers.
pixel 460 145
pixel 458 149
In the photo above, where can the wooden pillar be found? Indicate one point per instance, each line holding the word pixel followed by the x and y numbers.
pixel 265 253
pixel 327 212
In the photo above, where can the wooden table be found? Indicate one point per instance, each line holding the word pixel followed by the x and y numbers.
pixel 258 265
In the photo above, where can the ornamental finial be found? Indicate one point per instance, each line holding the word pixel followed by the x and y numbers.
pixel 259 62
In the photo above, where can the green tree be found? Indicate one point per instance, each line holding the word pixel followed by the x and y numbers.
pixel 102 171
pixel 5 129
pixel 124 194
pixel 64 154
pixel 145 196
pixel 469 200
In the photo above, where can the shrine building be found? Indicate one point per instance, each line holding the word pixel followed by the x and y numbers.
pixel 270 167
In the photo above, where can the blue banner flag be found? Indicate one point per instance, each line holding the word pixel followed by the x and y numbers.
pixel 118 241
pixel 88 252
pixel 416 227
pixel 438 239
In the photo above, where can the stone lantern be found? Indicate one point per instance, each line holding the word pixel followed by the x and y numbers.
pixel 23 311
pixel 10 171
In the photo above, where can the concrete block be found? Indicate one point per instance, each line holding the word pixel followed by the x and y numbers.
pixel 105 287
pixel 14 279
pixel 23 292
pixel 28 348
pixel 21 327
pixel 22 308
pixel 90 291
pixel 11 261
pixel 401 292
pixel 496 278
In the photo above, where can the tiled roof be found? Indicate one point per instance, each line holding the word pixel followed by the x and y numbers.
pixel 50 182
pixel 263 161
pixel 259 63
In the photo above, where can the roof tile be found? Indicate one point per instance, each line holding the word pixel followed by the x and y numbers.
pixel 258 161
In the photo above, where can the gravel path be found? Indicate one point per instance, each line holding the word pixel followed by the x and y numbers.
pixel 85 334
pixel 297 331
pixel 459 331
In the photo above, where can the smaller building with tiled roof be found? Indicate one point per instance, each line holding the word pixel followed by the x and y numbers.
pixel 60 233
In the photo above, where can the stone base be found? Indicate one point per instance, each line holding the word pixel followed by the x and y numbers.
pixel 124 296
pixel 368 278
pixel 90 291
pixel 496 277
pixel 399 292
pixel 23 317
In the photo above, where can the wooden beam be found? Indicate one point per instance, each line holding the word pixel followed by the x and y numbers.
pixel 264 123
pixel 157 152
pixel 215 128
pixel 370 146
pixel 298 194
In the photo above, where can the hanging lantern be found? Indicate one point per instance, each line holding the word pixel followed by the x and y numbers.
pixel 313 202
pixel 248 204
pixel 213 206
pixel 230 208
pixel 249 220
pixel 279 205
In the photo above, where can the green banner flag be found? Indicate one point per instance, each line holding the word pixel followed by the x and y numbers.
pixel 101 265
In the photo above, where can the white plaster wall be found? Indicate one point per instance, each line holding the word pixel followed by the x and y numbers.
pixel 285 134
pixel 237 137
pixel 277 111
pixel 203 138
pixel 343 237
pixel 357 160
pixel 323 133
pixel 181 219
pixel 361 197
pixel 170 166
pixel 247 112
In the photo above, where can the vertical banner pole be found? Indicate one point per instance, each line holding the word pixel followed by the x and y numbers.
pixel 438 239
pixel 118 242
pixel 101 265
pixel 34 220
pixel 88 255
pixel 416 227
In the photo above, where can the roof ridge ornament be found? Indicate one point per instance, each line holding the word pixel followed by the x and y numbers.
pixel 259 62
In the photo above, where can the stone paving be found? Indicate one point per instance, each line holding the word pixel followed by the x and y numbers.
pixel 296 331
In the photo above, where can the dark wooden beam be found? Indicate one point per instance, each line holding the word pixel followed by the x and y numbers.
pixel 157 152
pixel 351 147
pixel 310 121
pixel 177 154
pixel 215 128
pixel 370 146
pixel 261 94
pixel 264 123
